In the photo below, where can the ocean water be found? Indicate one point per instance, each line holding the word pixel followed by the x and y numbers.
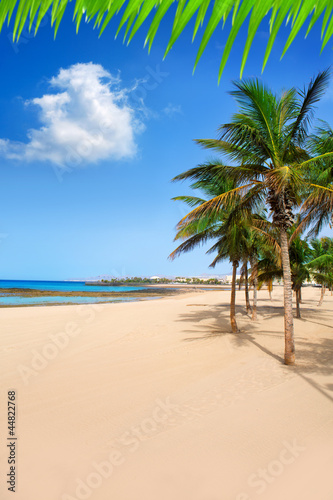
pixel 65 286
pixel 61 286
pixel 16 300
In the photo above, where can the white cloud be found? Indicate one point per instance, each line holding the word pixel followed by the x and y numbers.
pixel 172 109
pixel 88 120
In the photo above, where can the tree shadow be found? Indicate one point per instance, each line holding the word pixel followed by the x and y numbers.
pixel 313 357
pixel 308 320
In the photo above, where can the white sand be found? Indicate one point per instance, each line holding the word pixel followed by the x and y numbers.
pixel 174 406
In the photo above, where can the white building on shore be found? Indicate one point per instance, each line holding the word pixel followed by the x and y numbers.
pixel 228 278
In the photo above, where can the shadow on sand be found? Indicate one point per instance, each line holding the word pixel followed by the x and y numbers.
pixel 313 358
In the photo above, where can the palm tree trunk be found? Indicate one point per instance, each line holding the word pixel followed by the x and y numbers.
pixel 255 289
pixel 234 326
pixel 321 295
pixel 270 288
pixel 300 295
pixel 298 309
pixel 289 353
pixel 247 298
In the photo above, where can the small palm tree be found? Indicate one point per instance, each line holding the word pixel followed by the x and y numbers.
pixel 234 236
pixel 299 256
pixel 267 139
pixel 270 267
pixel 321 264
pixel 317 207
pixel 231 232
pixel 269 259
pixel 244 279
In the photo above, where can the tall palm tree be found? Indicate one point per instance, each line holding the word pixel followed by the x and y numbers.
pixel 209 13
pixel 267 139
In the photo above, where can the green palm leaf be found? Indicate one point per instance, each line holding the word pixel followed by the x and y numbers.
pixel 209 14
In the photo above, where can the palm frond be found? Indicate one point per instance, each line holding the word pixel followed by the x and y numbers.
pixel 317 209
pixel 192 201
pixel 269 275
pixel 310 97
pixel 209 14
pixel 268 239
pixel 191 243
pixel 322 262
pixel 211 208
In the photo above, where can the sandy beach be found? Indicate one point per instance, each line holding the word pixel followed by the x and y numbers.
pixel 156 400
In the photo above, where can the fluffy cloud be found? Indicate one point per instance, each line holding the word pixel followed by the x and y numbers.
pixel 88 120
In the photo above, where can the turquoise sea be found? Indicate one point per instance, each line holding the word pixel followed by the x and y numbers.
pixel 60 286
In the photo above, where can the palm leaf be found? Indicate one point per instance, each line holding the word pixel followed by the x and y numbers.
pixel 211 12
pixel 191 243
pixel 192 201
pixel 310 97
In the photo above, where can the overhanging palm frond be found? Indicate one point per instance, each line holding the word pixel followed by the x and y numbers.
pixel 210 13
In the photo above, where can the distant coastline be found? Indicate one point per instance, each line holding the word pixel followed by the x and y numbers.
pixel 136 281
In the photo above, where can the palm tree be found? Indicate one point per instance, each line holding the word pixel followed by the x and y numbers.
pixel 270 267
pixel 299 256
pixel 253 249
pixel 321 264
pixel 235 238
pixel 231 232
pixel 267 139
pixel 269 258
pixel 318 204
pixel 209 13
pixel 244 278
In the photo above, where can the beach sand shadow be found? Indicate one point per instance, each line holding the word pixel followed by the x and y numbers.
pixel 313 358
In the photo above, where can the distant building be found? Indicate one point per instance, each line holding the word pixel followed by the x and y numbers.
pixel 228 279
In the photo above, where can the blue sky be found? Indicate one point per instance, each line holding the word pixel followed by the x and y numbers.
pixel 106 207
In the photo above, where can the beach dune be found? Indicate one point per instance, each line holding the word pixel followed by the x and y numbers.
pixel 157 400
